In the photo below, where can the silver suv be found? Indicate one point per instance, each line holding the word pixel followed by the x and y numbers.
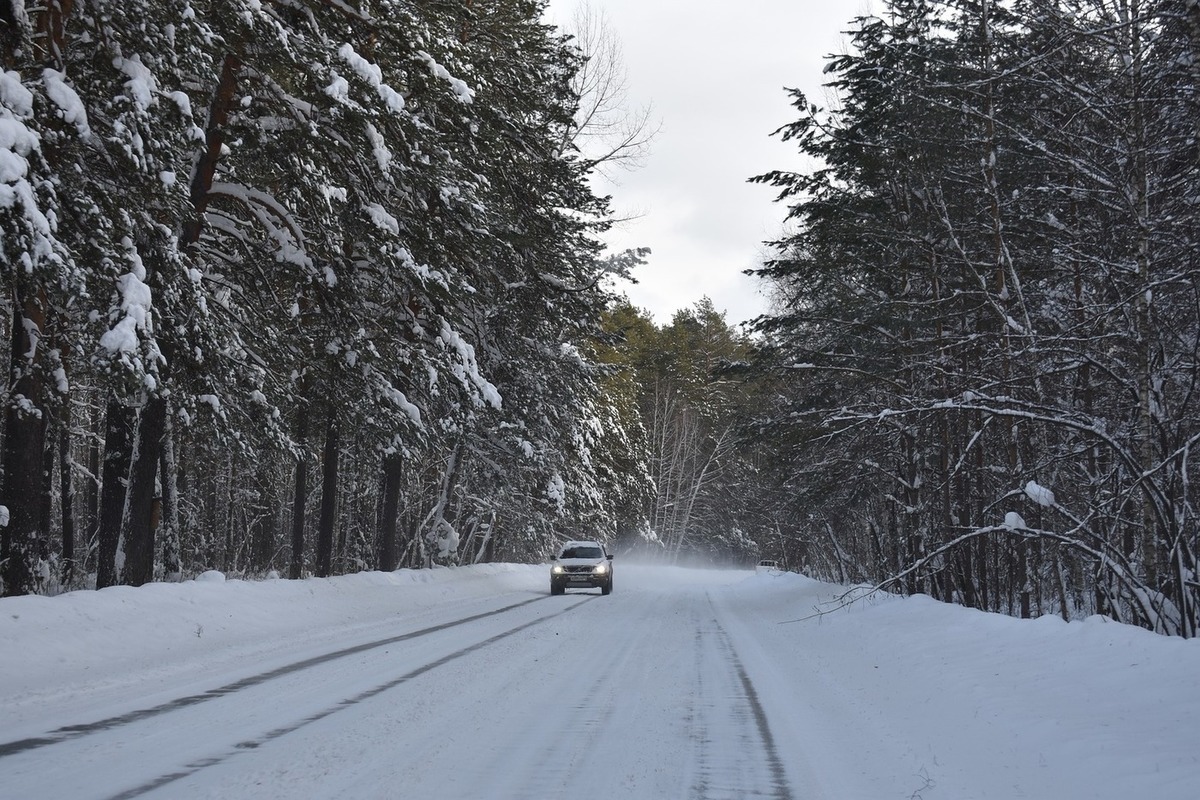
pixel 582 565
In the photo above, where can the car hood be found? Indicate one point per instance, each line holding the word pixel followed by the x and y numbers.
pixel 580 562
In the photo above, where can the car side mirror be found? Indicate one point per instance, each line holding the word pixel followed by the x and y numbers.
pixel 610 556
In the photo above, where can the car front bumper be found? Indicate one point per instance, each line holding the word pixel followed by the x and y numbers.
pixel 581 580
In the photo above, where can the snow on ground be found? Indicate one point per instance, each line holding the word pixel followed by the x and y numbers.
pixel 474 683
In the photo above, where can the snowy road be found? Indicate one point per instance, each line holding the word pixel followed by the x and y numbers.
pixel 523 695
pixel 477 683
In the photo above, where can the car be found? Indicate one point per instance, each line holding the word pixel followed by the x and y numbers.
pixel 582 565
pixel 767 565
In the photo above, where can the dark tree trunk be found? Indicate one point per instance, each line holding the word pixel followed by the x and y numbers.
pixel 118 441
pixel 218 116
pixel 300 497
pixel 92 495
pixel 225 507
pixel 393 467
pixel 489 546
pixel 67 498
pixel 46 495
pixel 168 469
pixel 24 451
pixel 143 508
pixel 329 474
pixel 966 575
pixel 1024 579
pixel 262 527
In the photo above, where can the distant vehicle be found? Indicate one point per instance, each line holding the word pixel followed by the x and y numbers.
pixel 582 565
pixel 768 565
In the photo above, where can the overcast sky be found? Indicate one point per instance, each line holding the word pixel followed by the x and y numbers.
pixel 714 72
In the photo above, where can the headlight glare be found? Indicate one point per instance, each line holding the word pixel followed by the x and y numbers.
pixel 601 569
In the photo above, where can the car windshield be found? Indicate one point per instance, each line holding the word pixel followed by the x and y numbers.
pixel 580 552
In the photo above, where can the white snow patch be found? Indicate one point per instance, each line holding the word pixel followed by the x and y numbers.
pixel 14 96
pixel 379 148
pixel 63 95
pixel 373 76
pixel 1039 494
pixel 462 91
pixel 556 490
pixel 382 219
pixel 141 84
pixel 135 304
pixel 401 401
pixel 1013 521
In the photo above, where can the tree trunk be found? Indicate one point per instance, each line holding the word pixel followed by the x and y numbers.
pixel 329 475
pixel 300 497
pixel 92 495
pixel 1024 578
pixel 141 498
pixel 263 524
pixel 67 498
pixel 118 436
pixel 168 468
pixel 214 137
pixel 45 495
pixel 24 450
pixel 393 467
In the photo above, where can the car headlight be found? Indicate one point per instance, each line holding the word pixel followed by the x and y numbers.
pixel 557 569
pixel 601 569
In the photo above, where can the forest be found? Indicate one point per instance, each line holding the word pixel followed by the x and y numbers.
pixel 988 309
pixel 306 287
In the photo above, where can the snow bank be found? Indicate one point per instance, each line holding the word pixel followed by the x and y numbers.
pixel 122 634
pixel 966 704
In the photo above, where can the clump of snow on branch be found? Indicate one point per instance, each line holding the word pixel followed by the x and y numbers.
pixel 1014 521
pixel 1039 494
pixel 382 219
pixel 275 218
pixel 61 383
pixel 184 103
pixel 17 144
pixel 213 402
pixel 464 92
pixel 379 148
pixel 401 401
pixel 373 76
pixel 556 490
pixel 141 83
pixel 447 539
pixel 467 369
pixel 69 105
pixel 338 89
pixel 18 100
pixel 135 307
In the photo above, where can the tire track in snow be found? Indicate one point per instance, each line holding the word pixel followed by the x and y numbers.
pixel 69 732
pixel 562 751
pixel 251 744
pixel 737 685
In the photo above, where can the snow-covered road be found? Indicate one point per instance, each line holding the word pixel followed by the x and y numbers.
pixel 476 683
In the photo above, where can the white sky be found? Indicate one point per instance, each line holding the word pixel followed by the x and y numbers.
pixel 715 74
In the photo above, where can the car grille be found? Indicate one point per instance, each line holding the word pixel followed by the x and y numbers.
pixel 584 570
